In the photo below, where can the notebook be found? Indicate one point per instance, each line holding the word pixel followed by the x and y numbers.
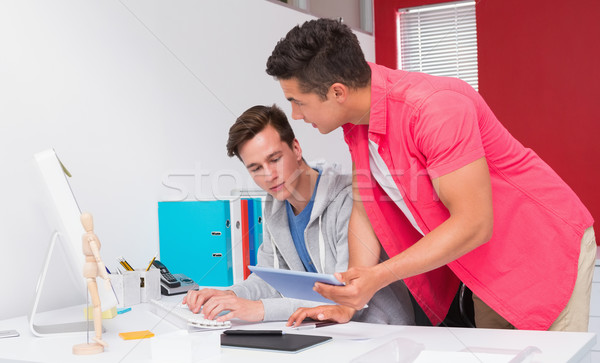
pixel 291 343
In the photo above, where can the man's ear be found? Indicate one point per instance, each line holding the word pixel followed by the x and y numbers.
pixel 297 149
pixel 339 92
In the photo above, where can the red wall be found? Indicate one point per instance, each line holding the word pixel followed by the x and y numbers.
pixel 539 70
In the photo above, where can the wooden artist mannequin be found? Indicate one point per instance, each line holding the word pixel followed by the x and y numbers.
pixel 92 268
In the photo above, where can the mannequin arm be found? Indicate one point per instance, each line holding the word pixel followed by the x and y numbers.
pixel 101 267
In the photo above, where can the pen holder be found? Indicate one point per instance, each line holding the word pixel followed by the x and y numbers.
pixel 127 288
pixel 149 283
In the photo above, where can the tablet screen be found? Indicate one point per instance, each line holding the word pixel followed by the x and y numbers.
pixel 295 284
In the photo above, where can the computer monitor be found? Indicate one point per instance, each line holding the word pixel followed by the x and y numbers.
pixel 64 214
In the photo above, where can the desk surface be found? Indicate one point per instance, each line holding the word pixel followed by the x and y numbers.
pixel 349 341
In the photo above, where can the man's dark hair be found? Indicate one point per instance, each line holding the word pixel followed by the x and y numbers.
pixel 318 54
pixel 253 121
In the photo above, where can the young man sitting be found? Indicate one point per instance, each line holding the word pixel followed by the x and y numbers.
pixel 306 217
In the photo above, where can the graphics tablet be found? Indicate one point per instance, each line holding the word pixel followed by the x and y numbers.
pixel 291 343
pixel 295 284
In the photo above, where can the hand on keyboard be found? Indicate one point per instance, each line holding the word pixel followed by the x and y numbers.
pixel 196 298
pixel 249 310
pixel 182 317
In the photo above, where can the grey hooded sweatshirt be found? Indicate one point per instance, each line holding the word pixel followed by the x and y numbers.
pixel 329 218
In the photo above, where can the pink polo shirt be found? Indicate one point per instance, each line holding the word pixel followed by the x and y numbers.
pixel 429 126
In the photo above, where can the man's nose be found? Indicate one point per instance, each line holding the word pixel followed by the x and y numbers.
pixel 296 113
pixel 270 172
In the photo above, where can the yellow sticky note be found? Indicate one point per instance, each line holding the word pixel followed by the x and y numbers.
pixel 136 335
pixel 106 314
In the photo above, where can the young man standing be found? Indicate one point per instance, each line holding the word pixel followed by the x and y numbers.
pixel 443 187
pixel 306 225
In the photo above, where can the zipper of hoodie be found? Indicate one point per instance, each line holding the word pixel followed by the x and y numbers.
pixel 321 246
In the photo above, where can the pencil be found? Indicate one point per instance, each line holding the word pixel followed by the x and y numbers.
pixel 152 261
pixel 125 264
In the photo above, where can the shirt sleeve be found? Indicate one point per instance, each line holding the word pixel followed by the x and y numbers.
pixel 282 309
pixel 342 213
pixel 446 131
pixel 254 288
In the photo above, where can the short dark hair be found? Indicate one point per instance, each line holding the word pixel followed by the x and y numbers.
pixel 253 121
pixel 318 54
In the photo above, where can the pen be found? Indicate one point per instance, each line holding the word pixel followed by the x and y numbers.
pixel 318 324
pixel 123 310
pixel 253 332
pixel 152 261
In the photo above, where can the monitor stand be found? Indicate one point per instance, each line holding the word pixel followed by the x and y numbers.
pixel 54 329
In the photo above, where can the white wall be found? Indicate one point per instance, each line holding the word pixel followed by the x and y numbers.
pixel 127 93
pixel 349 10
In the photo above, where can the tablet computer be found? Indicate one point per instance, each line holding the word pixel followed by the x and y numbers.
pixel 290 343
pixel 295 284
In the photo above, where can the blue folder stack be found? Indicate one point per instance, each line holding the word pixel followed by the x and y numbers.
pixel 195 239
pixel 203 239
pixel 254 227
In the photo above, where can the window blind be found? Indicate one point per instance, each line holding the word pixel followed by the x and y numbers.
pixel 440 40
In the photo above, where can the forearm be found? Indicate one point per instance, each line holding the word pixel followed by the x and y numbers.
pixel 282 308
pixel 446 243
pixel 254 288
pixel 363 246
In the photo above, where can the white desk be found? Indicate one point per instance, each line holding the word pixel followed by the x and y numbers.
pixel 554 346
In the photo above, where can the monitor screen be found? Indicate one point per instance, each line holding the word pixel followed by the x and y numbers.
pixel 64 214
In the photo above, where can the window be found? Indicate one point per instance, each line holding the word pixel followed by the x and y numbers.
pixel 440 40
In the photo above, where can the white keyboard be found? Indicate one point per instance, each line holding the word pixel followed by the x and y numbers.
pixel 184 318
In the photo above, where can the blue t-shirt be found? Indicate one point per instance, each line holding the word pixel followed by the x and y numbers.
pixel 298 224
